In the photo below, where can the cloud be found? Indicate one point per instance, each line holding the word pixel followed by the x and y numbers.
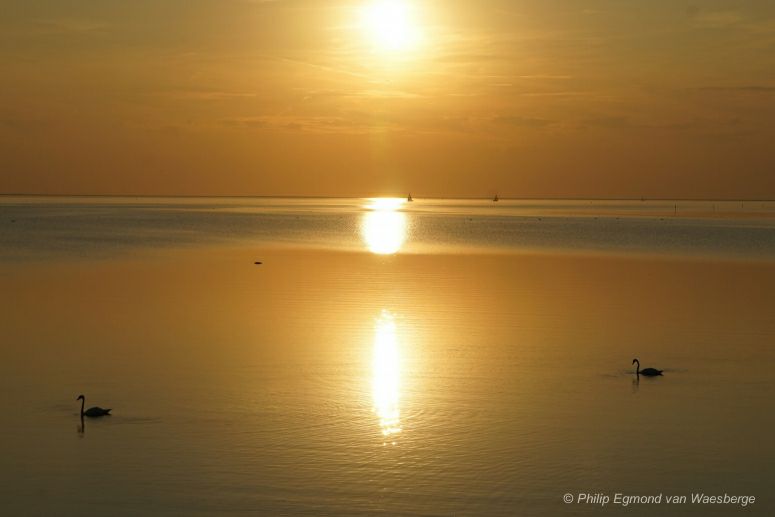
pixel 518 121
pixel 714 19
pixel 569 93
pixel 207 95
pixel 310 124
pixel 625 122
pixel 465 58
pixel 545 77
pixel 70 26
pixel 371 93
pixel 609 122
pixel 740 89
pixel 246 122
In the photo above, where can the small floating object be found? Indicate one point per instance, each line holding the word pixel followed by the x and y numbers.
pixel 95 411
pixel 648 372
pixel 257 263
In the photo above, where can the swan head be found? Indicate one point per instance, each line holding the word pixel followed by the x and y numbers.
pixel 635 361
pixel 81 397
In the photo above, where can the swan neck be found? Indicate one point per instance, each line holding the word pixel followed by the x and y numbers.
pixel 83 401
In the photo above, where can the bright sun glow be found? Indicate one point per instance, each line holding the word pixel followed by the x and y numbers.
pixel 386 378
pixel 384 228
pixel 390 25
pixel 385 203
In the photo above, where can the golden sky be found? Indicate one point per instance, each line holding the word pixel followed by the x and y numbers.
pixel 527 98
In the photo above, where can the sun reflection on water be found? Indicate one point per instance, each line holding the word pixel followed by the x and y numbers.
pixel 384 228
pixel 386 378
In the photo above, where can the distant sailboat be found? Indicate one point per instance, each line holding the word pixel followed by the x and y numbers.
pixel 495 199
pixel 409 198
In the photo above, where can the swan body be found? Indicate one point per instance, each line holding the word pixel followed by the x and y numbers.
pixel 648 372
pixel 92 411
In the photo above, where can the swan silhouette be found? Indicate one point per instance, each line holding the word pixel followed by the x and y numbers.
pixel 648 372
pixel 92 411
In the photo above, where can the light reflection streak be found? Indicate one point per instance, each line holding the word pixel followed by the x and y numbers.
pixel 386 379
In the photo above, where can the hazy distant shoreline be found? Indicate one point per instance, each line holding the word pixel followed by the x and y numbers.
pixel 416 198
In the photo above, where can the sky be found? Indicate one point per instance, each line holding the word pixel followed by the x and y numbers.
pixel 443 98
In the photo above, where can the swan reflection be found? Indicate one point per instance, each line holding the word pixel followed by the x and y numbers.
pixel 386 377
pixel 384 227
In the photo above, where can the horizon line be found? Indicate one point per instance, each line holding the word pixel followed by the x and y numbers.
pixel 415 198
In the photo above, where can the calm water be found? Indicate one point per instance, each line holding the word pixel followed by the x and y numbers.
pixel 432 358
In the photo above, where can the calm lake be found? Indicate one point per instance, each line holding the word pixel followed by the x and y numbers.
pixel 438 357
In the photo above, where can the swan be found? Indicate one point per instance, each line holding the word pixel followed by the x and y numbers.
pixel 648 372
pixel 92 411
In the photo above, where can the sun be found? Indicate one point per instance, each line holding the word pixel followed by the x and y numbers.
pixel 391 25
